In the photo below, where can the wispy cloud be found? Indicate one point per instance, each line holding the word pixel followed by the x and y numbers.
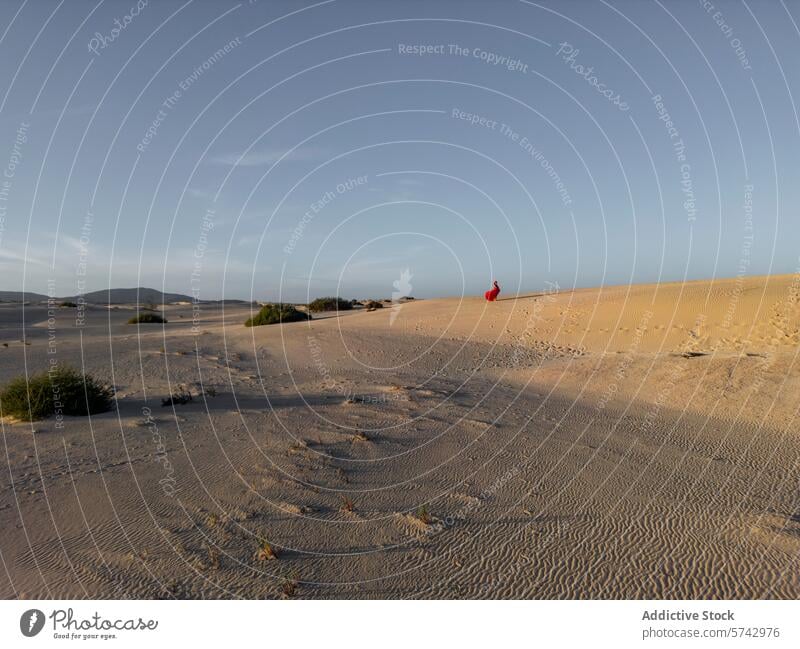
pixel 248 240
pixel 202 194
pixel 72 242
pixel 15 258
pixel 266 157
pixel 410 182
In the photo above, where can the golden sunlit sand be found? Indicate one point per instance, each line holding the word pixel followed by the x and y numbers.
pixel 632 441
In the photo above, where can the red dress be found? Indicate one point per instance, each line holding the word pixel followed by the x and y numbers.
pixel 491 295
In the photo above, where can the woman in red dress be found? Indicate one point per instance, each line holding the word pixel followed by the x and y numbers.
pixel 491 294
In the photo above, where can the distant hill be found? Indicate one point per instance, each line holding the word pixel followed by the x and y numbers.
pixel 19 296
pixel 131 296
pixel 114 296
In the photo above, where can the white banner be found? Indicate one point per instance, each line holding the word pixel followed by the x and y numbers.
pixel 354 624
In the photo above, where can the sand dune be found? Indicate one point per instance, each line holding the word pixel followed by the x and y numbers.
pixel 617 442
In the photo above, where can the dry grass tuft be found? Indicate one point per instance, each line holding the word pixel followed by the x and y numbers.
pixel 424 516
pixel 289 586
pixel 265 551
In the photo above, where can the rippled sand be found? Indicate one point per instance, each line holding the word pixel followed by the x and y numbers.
pixel 635 442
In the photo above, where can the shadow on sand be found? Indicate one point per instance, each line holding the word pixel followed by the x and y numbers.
pixel 521 297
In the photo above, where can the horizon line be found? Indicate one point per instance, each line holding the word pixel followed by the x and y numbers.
pixel 559 289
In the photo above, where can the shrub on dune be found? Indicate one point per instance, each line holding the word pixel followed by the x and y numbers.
pixel 147 318
pixel 330 304
pixel 62 389
pixel 275 314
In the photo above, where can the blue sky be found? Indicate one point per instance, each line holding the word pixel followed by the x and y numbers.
pixel 293 149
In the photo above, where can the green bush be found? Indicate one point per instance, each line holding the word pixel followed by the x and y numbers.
pixel 62 389
pixel 330 304
pixel 147 318
pixel 69 305
pixel 275 313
